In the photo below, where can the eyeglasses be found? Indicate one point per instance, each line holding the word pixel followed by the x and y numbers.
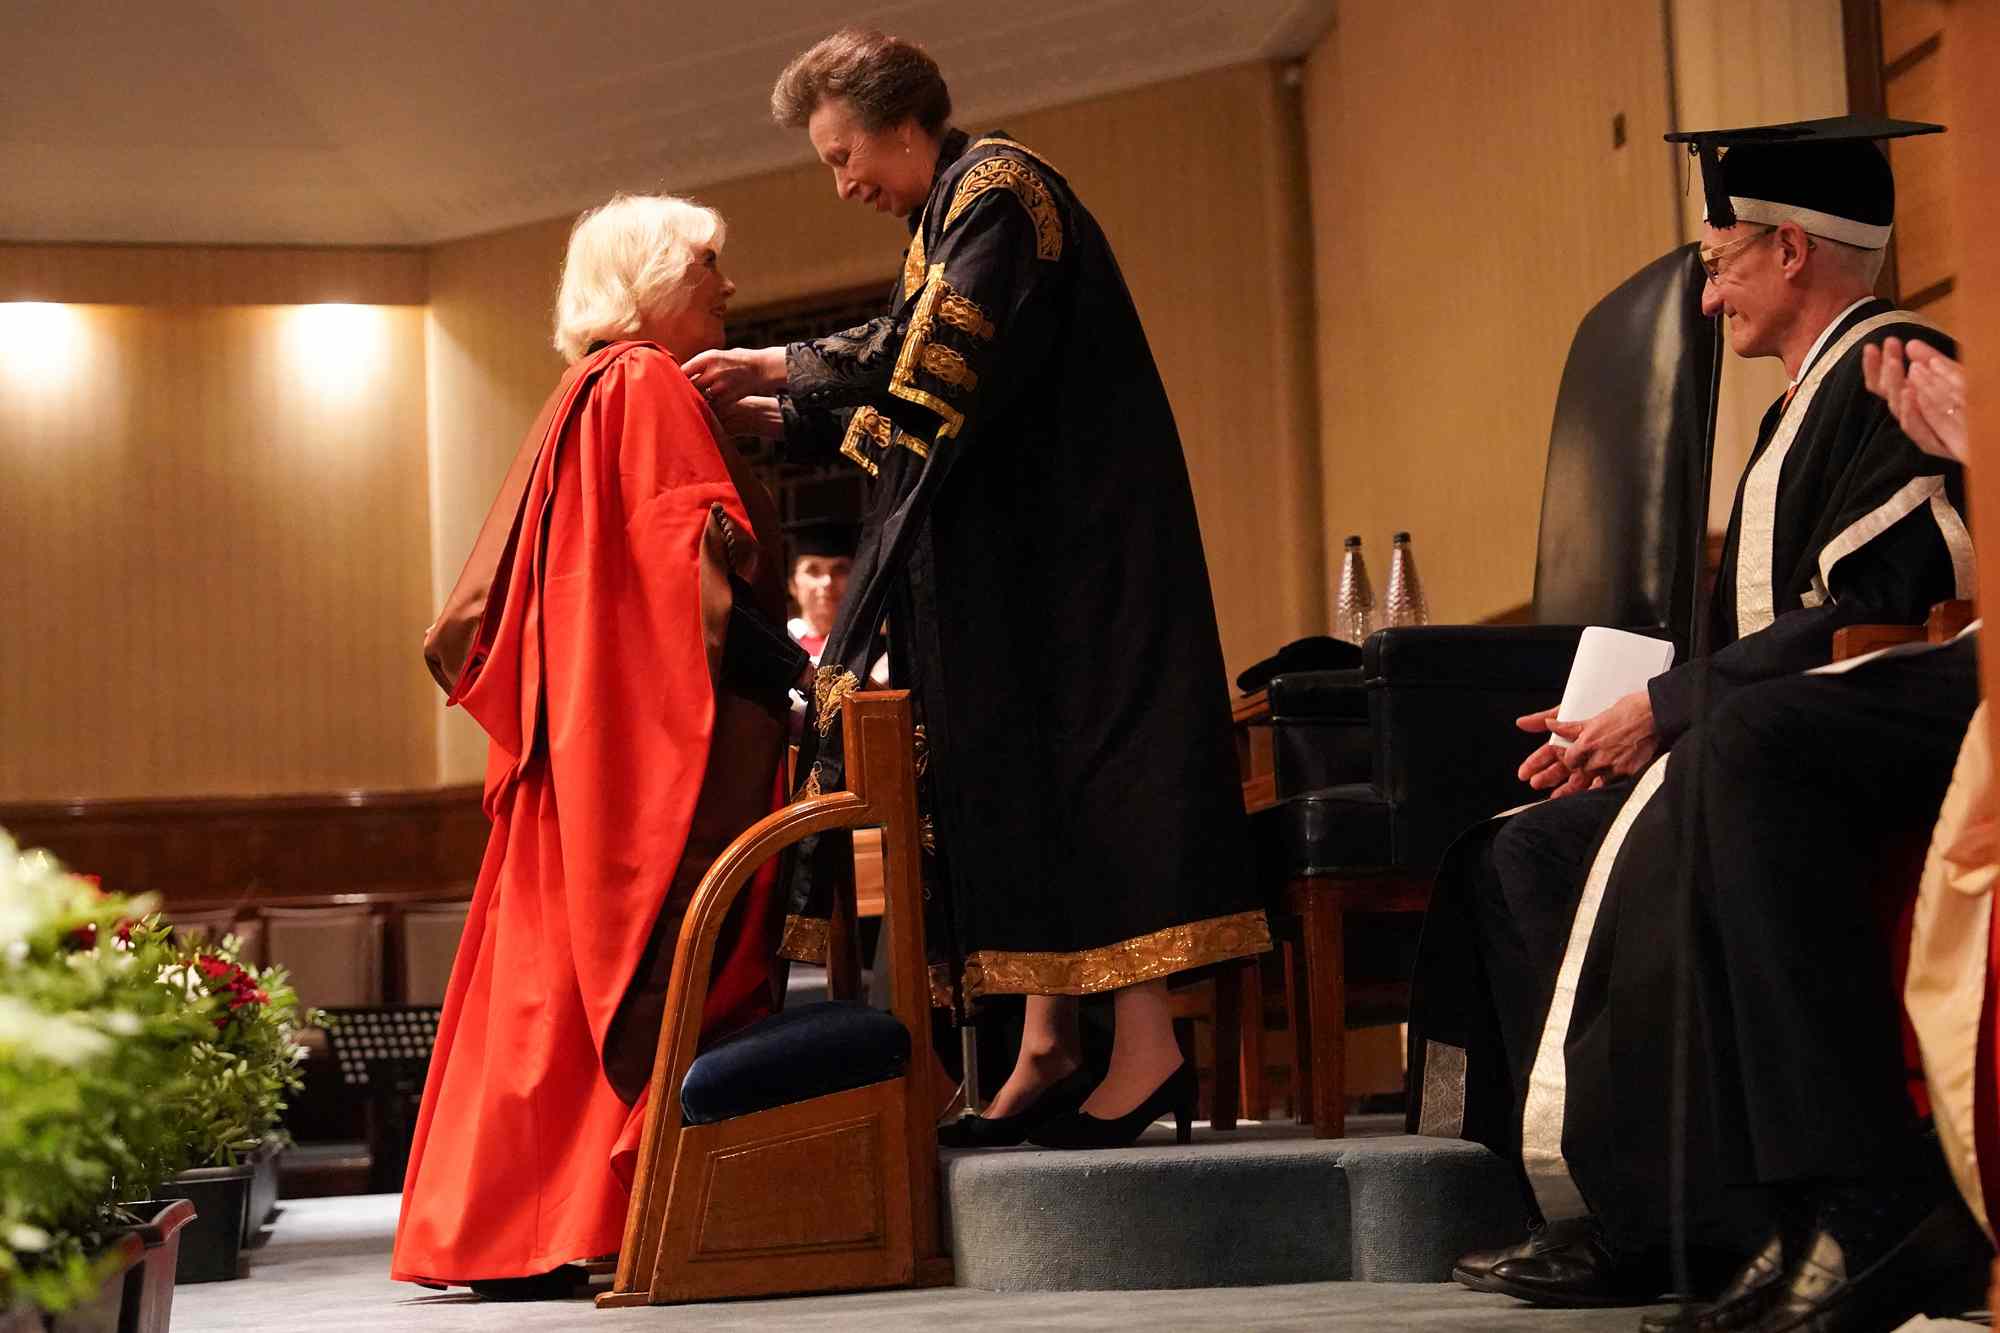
pixel 1711 260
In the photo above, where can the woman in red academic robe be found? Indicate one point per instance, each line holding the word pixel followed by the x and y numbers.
pixel 618 636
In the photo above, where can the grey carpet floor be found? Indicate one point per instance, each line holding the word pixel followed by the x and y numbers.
pixel 325 1269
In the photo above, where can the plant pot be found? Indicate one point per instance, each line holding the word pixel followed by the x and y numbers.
pixel 212 1244
pixel 103 1312
pixel 149 1288
pixel 263 1189
pixel 22 1319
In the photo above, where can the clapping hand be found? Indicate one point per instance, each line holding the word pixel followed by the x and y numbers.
pixel 727 375
pixel 1926 391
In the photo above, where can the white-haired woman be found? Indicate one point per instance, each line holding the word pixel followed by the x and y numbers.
pixel 616 634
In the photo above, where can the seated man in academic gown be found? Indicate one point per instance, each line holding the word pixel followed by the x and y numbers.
pixel 1838 520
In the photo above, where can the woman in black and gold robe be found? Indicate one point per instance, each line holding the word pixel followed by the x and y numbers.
pixel 1033 546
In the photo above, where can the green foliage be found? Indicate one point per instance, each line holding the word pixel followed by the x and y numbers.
pixel 125 1056
pixel 247 1062
pixel 92 1055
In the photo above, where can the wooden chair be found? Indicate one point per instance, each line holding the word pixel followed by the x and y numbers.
pixel 833 1192
pixel 1943 624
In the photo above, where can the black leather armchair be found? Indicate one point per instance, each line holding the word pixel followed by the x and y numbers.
pixel 1378 767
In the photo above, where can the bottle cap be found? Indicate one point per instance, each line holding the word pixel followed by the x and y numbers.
pixel 1353 542
pixel 1402 536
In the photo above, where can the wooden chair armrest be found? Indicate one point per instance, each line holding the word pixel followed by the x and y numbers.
pixel 1860 640
pixel 1948 619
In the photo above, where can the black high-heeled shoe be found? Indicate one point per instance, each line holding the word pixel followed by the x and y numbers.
pixel 1081 1130
pixel 1006 1131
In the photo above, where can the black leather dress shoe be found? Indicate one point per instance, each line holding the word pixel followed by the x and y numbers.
pixel 1749 1296
pixel 1577 1273
pixel 1848 1280
pixel 1475 1268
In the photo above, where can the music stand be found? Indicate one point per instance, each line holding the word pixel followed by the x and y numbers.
pixel 385 1051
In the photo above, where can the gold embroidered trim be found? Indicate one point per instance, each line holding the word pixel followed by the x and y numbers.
pixel 921 747
pixel 811 789
pixel 963 313
pixel 831 686
pixel 941 996
pixel 1115 966
pixel 913 263
pixel 949 366
pixel 866 424
pixel 1002 141
pixel 806 939
pixel 927 833
pixel 1019 179
pixel 903 380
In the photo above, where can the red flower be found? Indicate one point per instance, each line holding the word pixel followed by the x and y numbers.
pixel 83 937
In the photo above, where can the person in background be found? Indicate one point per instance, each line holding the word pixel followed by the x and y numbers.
pixel 822 559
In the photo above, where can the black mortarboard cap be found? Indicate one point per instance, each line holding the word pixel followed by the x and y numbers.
pixel 822 536
pixel 1825 175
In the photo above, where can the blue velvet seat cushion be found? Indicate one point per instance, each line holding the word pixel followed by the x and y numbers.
pixel 793 1056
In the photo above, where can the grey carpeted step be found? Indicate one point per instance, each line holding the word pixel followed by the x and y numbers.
pixel 1262 1206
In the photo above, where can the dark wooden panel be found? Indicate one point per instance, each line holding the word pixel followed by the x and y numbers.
pixel 221 850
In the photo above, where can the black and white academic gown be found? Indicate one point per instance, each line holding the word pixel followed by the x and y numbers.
pixel 1032 543
pixel 1838 520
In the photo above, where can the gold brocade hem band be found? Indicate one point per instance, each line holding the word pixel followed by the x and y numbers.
pixel 1115 966
pixel 806 940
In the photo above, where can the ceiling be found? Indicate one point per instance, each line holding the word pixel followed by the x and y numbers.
pixel 406 122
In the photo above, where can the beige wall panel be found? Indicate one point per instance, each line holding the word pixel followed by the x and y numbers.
pixel 1466 214
pixel 216 523
pixel 209 275
pixel 1198 185
pixel 1737 64
pixel 1926 225
pixel 1907 24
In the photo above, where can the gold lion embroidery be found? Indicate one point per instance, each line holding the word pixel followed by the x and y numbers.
pixel 831 686
pixel 1019 179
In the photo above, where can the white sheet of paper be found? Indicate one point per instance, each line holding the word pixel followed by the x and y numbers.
pixel 1609 664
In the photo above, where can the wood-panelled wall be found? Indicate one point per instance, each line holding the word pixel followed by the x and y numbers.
pixel 1225 292
pixel 1468 206
pixel 216 544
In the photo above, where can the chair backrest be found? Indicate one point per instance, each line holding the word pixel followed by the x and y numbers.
pixel 429 943
pixel 1625 496
pixel 333 953
pixel 216 922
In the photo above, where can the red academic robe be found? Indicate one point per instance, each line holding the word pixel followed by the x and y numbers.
pixel 591 670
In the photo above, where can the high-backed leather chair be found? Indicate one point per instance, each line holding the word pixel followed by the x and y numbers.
pixel 1377 768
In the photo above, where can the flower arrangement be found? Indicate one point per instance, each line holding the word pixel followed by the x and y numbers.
pixel 126 1055
pixel 242 1069
pixel 92 1063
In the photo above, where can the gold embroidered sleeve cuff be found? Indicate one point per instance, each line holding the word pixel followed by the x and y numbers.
pixel 948 333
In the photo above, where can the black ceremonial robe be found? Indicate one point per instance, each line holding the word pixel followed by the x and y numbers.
pixel 1032 545
pixel 1838 520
